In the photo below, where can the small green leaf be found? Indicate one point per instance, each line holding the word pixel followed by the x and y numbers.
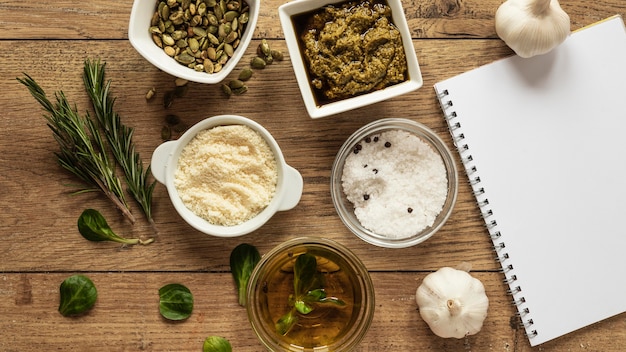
pixel 308 284
pixel 302 307
pixel 286 322
pixel 305 275
pixel 243 259
pixel 176 302
pixel 78 295
pixel 315 295
pixel 94 227
pixel 216 344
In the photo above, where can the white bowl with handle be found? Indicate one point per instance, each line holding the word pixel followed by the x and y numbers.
pixel 286 196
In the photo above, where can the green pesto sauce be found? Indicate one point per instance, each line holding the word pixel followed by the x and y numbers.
pixel 351 48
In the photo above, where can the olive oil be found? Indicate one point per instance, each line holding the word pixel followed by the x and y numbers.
pixel 327 323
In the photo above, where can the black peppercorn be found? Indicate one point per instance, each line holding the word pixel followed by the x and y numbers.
pixel 375 171
pixel 368 139
pixel 387 144
pixel 366 196
pixel 410 210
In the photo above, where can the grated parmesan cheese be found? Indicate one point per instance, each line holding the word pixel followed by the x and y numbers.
pixel 396 182
pixel 226 174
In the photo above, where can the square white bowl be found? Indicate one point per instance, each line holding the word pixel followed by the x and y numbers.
pixel 141 39
pixel 288 11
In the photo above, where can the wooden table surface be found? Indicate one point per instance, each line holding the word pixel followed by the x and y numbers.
pixel 41 246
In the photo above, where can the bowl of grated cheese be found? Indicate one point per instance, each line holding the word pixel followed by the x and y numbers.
pixel 226 176
pixel 394 183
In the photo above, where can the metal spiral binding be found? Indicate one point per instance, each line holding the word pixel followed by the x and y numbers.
pixel 455 126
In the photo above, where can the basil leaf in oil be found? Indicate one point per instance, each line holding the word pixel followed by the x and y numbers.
pixel 305 274
pixel 78 295
pixel 175 302
pixel 308 284
pixel 286 322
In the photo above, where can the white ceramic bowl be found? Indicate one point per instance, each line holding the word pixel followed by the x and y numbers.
pixel 345 208
pixel 141 39
pixel 288 11
pixel 288 189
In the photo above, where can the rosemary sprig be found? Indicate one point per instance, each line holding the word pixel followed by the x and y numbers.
pixel 119 136
pixel 82 150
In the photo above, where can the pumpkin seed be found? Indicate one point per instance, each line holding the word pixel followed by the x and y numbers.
pixel 208 66
pixel 166 133
pixel 157 40
pixel 168 99
pixel 245 74
pixel 185 58
pixel 150 94
pixel 264 48
pixel 200 34
pixel 193 43
pixel 172 119
pixel 277 55
pixel 231 37
pixel 258 63
pixel 226 89
pixel 229 50
pixel 170 51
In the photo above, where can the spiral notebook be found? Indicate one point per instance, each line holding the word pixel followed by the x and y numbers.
pixel 543 141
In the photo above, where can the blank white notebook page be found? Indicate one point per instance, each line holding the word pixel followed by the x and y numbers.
pixel 547 136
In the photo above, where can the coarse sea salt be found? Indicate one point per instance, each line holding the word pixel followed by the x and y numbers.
pixel 396 182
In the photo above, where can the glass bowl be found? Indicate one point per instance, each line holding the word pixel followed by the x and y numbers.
pixel 328 327
pixel 380 184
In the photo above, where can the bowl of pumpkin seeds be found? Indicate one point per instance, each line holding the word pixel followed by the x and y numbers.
pixel 197 40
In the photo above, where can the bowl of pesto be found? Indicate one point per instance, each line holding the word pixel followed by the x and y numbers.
pixel 349 54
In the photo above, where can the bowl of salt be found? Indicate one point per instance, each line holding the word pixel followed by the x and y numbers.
pixel 394 183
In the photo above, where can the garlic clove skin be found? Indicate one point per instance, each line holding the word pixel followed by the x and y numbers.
pixel 532 27
pixel 452 303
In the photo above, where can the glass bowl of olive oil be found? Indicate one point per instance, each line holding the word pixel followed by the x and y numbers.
pixel 310 294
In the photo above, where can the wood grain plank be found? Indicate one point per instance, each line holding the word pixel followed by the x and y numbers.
pixel 126 316
pixel 41 245
pixel 40 209
pixel 101 19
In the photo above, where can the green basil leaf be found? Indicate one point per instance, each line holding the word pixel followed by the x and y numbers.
pixel 303 307
pixel 78 295
pixel 94 227
pixel 315 295
pixel 216 344
pixel 243 259
pixel 176 302
pixel 286 322
pixel 305 276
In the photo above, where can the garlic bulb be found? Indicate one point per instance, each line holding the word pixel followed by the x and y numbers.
pixel 532 27
pixel 452 303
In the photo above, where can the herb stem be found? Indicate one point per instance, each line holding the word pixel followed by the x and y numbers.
pixel 82 151
pixel 120 138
